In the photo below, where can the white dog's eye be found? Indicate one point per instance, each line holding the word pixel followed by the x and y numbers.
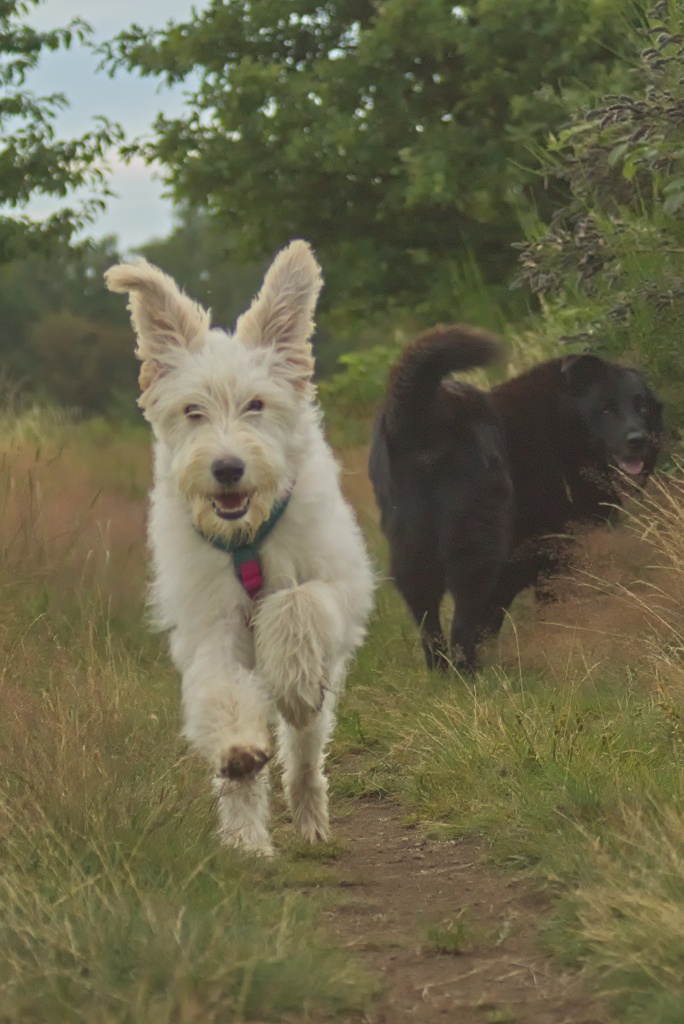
pixel 194 413
pixel 256 405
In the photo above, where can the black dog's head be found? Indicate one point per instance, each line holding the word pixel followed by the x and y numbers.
pixel 621 415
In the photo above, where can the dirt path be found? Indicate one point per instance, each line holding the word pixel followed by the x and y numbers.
pixel 400 885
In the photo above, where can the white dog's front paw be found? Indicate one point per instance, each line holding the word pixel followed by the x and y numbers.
pixel 247 842
pixel 294 632
pixel 243 811
pixel 247 838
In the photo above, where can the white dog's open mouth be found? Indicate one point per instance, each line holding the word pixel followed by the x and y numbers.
pixel 632 467
pixel 230 504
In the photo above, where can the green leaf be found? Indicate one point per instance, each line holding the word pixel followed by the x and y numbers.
pixel 418 138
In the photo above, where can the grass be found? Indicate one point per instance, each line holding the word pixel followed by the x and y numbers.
pixel 566 755
pixel 452 937
pixel 117 902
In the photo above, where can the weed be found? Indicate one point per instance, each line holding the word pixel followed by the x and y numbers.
pixel 504 1015
pixel 453 937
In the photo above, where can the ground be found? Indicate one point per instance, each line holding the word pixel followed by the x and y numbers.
pixel 450 937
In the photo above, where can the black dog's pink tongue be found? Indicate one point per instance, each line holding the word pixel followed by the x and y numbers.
pixel 631 466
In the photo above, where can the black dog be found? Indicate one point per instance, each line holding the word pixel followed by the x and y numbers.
pixel 575 428
pixel 438 468
pixel 442 476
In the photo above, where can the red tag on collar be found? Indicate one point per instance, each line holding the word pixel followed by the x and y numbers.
pixel 251 577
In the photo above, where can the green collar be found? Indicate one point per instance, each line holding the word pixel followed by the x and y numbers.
pixel 238 542
pixel 245 552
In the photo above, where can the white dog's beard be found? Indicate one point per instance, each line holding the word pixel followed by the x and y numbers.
pixel 210 514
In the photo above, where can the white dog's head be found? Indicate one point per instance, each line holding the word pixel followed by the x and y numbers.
pixel 229 408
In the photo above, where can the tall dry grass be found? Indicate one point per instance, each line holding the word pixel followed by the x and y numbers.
pixel 566 753
pixel 117 903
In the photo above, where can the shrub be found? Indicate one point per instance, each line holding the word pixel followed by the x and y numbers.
pixel 615 253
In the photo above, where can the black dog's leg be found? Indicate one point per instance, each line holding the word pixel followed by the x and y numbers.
pixel 434 644
pixel 471 583
pixel 424 597
pixel 464 636
pixel 513 577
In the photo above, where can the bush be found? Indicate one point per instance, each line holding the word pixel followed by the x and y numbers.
pixel 84 364
pixel 615 254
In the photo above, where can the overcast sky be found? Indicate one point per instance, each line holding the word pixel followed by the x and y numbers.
pixel 139 213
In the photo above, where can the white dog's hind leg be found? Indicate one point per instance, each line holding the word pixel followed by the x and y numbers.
pixel 298 636
pixel 302 751
pixel 243 809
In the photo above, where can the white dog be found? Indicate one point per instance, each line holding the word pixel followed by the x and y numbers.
pixel 260 570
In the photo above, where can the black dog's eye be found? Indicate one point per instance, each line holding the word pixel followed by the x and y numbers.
pixel 606 411
pixel 193 413
pixel 256 405
pixel 639 404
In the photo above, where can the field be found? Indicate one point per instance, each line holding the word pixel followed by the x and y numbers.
pixel 513 846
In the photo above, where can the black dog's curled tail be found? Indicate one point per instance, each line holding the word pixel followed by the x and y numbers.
pixel 446 348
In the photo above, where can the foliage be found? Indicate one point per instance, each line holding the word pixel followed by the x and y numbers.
pixel 393 135
pixel 62 335
pixel 83 363
pixel 615 252
pixel 65 338
pixel 207 264
pixel 32 159
pixel 350 395
pixel 453 938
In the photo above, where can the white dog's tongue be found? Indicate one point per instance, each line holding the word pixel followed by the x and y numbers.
pixel 230 501
pixel 631 466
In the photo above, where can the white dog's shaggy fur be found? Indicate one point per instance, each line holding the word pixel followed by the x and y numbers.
pixel 246 399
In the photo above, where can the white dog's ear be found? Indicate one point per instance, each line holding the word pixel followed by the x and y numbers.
pixel 164 319
pixel 281 316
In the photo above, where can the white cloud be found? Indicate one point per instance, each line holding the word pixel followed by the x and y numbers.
pixel 139 212
pixel 105 16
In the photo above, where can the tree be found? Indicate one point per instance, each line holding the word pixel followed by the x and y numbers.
pixel 67 278
pixel 204 260
pixel 393 135
pixel 83 363
pixel 610 265
pixel 32 159
pixel 63 336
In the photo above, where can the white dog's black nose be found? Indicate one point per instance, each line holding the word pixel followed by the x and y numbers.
pixel 228 471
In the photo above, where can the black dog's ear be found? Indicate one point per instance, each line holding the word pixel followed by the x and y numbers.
pixel 583 369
